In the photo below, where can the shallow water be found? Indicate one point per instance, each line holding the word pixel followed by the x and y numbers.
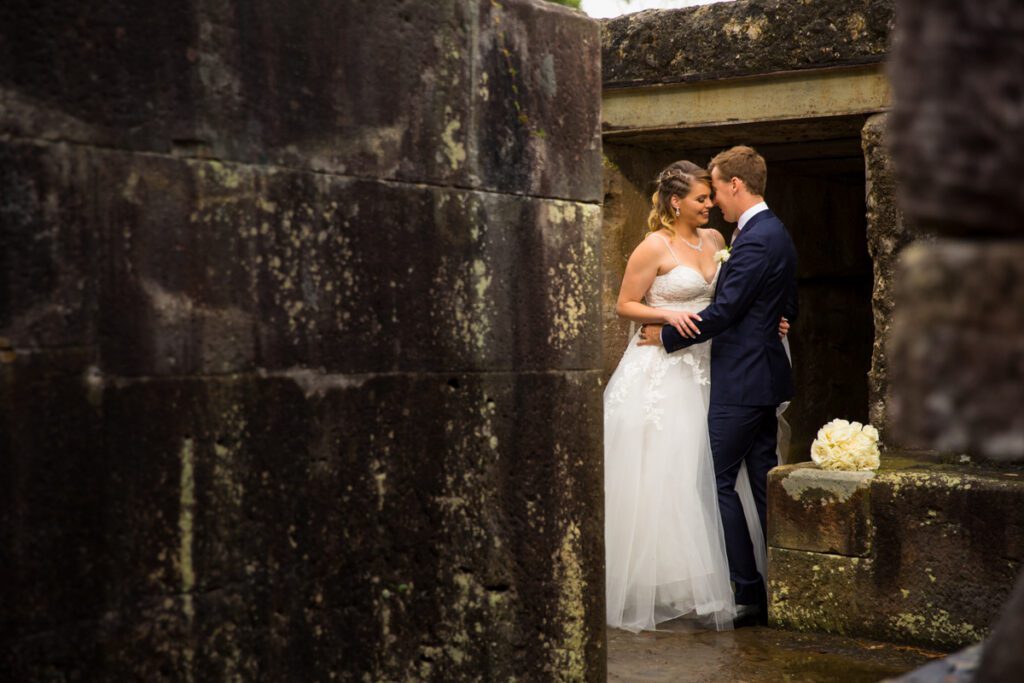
pixel 756 655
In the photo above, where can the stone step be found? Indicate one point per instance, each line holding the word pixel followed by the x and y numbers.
pixel 921 552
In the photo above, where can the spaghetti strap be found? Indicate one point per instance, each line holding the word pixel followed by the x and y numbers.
pixel 669 247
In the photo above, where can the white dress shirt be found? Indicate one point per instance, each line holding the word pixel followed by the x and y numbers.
pixel 746 216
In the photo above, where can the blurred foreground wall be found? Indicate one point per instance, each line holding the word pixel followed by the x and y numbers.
pixel 299 341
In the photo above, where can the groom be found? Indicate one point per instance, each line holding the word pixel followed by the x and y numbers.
pixel 750 372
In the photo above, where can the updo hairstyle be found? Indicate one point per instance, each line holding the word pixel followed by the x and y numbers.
pixel 678 179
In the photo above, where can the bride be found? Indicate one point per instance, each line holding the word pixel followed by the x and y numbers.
pixel 664 544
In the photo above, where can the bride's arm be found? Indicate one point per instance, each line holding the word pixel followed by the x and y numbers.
pixel 641 269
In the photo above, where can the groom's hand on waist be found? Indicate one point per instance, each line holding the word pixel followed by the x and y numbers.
pixel 650 335
pixel 783 327
pixel 685 323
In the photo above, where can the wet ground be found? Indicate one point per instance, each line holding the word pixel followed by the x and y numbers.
pixel 756 655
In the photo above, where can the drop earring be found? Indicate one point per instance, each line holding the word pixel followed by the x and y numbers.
pixel 677 211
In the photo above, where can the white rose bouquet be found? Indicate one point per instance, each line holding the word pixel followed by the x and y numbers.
pixel 843 445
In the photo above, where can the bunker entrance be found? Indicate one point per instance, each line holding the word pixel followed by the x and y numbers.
pixel 816 185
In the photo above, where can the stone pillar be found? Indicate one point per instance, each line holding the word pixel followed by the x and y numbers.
pixel 300 359
pixel 958 338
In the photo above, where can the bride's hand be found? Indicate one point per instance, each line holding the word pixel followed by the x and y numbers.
pixel 683 321
pixel 783 327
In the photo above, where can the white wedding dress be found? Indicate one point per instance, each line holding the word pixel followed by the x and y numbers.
pixel 664 544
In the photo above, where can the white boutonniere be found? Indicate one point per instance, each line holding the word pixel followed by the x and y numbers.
pixel 722 255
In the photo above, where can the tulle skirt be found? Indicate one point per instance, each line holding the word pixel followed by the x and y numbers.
pixel 664 545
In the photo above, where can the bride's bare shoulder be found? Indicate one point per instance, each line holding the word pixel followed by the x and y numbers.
pixel 714 236
pixel 650 242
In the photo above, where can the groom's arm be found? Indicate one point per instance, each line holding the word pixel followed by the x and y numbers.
pixel 748 266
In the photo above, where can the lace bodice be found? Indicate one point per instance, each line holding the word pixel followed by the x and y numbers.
pixel 682 289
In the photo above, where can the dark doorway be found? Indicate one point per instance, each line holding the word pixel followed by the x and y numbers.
pixel 816 184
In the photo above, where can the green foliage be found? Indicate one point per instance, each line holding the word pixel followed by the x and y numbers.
pixel 575 4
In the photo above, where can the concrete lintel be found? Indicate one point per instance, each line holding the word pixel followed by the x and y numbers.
pixel 771 97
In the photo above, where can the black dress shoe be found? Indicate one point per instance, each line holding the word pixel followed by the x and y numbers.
pixel 750 615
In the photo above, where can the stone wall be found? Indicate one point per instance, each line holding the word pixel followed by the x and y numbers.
pixel 748 37
pixel 299 350
pixel 888 235
pixel 622 227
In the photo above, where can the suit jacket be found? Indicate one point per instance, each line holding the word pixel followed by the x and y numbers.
pixel 756 286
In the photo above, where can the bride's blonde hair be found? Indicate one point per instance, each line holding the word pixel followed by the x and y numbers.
pixel 678 179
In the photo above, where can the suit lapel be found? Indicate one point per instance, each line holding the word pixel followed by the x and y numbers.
pixel 721 279
pixel 754 220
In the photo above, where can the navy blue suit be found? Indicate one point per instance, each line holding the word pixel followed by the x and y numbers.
pixel 750 377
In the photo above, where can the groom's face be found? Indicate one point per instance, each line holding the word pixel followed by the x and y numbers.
pixel 725 196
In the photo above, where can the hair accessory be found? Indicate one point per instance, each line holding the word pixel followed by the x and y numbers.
pixel 681 176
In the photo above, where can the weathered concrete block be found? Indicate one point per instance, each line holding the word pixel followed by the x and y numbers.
pixel 49 245
pixel 537 66
pixel 289 342
pixel 913 527
pixel 814 591
pixel 956 117
pixel 216 268
pixel 468 93
pixel 220 268
pixel 176 293
pixel 742 38
pixel 819 511
pixel 956 350
pixel 50 544
pixel 92 75
pixel 306 511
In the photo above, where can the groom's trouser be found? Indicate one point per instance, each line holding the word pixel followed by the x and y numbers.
pixel 743 434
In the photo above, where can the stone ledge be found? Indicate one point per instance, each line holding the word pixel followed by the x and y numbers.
pixel 790 97
pixel 919 552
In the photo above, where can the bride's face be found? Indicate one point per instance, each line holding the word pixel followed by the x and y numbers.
pixel 694 209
